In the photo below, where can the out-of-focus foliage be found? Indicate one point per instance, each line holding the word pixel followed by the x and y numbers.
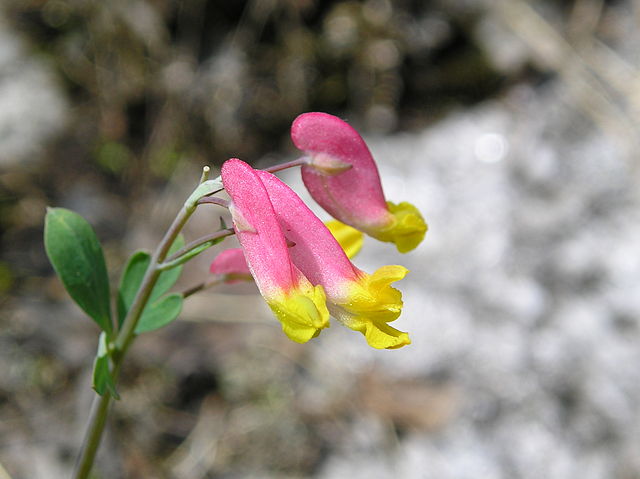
pixel 213 79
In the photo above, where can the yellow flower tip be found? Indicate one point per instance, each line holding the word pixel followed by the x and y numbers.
pixel 380 335
pixel 383 336
pixel 387 301
pixel 408 228
pixel 302 312
pixel 372 303
pixel 386 275
pixel 350 239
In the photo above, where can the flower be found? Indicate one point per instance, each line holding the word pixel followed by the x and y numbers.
pixel 299 305
pixel 362 302
pixel 231 266
pixel 343 178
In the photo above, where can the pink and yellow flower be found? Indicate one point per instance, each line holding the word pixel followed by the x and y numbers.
pixel 296 302
pixel 343 178
pixel 362 302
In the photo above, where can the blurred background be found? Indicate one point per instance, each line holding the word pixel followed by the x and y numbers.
pixel 512 125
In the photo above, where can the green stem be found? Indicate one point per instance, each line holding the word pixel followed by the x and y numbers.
pixel 127 332
pixel 95 428
pixel 194 244
pixel 214 200
pixel 126 335
pixel 200 287
pixel 97 419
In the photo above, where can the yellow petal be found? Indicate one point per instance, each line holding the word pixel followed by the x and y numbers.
pixel 302 312
pixel 350 239
pixel 383 336
pixel 371 304
pixel 407 229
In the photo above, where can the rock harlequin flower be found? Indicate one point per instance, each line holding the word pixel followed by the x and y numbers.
pixel 299 305
pixel 342 177
pixel 362 302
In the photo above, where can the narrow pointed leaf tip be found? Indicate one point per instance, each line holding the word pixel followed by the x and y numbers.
pixel 352 195
pixel 362 302
pixel 296 303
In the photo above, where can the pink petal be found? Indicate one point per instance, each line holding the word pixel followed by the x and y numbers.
pixel 354 196
pixel 257 229
pixel 316 252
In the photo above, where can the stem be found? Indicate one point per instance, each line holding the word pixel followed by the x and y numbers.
pixel 127 332
pixel 198 242
pixel 303 160
pixel 97 420
pixel 100 408
pixel 214 200
pixel 200 287
pixel 126 335
pixel 205 174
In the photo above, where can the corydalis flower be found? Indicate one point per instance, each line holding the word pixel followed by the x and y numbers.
pixel 231 266
pixel 362 302
pixel 343 178
pixel 299 305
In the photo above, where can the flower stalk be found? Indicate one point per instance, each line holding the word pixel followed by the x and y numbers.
pixel 303 160
pixel 301 266
pixel 126 334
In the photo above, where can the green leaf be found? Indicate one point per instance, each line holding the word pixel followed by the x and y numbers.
pixel 134 273
pixel 76 256
pixel 102 379
pixel 160 313
pixel 131 280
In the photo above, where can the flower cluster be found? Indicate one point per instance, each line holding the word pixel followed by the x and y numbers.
pixel 297 262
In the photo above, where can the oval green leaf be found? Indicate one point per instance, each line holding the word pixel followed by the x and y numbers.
pixel 160 313
pixel 130 281
pixel 77 258
pixel 133 275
